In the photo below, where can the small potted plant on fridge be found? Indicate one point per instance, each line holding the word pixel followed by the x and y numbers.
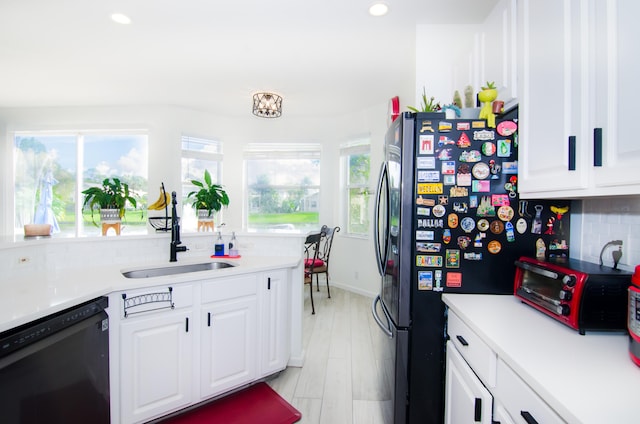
pixel 209 198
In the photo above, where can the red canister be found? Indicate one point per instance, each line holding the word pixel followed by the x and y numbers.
pixel 634 317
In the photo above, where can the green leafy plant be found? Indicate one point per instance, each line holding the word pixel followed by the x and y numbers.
pixel 490 86
pixel 428 104
pixel 112 194
pixel 211 197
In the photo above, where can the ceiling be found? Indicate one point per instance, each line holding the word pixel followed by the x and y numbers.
pixel 325 59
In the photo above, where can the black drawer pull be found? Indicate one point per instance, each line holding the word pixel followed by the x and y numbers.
pixel 462 341
pixel 208 319
pixel 269 283
pixel 572 153
pixel 186 324
pixel 528 417
pixel 597 147
pixel 477 417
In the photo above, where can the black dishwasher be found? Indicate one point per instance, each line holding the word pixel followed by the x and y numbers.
pixel 56 369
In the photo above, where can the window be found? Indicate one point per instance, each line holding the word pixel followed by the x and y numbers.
pixel 283 186
pixel 198 154
pixel 355 158
pixel 52 168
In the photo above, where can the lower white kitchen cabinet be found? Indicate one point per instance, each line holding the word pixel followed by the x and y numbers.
pixel 229 334
pixel 522 403
pixel 191 341
pixel 466 398
pixel 156 354
pixel 275 325
pixel 480 387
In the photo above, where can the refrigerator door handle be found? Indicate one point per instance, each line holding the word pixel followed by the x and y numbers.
pixel 381 258
pixel 386 329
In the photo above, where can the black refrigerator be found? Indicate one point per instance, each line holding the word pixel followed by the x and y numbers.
pixel 448 220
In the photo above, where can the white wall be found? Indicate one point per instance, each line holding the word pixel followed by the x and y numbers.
pixel 352 265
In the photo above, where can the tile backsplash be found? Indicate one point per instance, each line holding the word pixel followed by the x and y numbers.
pixel 25 257
pixel 597 221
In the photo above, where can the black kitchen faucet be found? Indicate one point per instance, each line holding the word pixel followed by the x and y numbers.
pixel 175 231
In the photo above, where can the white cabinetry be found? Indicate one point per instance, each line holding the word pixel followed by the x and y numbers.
pixel 181 344
pixel 156 351
pixel 577 75
pixel 475 376
pixel 275 321
pixel 466 399
pixel 229 337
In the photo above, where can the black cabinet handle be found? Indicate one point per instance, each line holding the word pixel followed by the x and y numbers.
pixel 462 341
pixel 269 283
pixel 477 414
pixel 597 147
pixel 572 153
pixel 186 324
pixel 528 417
pixel 208 319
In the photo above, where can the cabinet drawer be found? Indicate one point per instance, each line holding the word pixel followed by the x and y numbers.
pixel 478 354
pixel 229 288
pixel 522 403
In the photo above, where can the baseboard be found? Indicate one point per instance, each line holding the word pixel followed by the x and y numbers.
pixel 352 289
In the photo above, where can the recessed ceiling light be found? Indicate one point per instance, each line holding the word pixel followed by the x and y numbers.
pixel 121 19
pixel 378 9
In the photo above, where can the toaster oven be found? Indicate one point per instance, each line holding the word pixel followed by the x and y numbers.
pixel 580 294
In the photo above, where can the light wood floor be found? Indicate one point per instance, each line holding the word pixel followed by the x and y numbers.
pixel 341 381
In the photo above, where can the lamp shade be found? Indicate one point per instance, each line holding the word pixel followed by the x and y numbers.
pixel 267 105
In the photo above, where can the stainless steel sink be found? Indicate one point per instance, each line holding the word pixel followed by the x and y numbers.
pixel 178 269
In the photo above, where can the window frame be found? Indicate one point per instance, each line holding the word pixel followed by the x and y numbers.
pixel 79 149
pixel 356 146
pixel 280 151
pixel 189 218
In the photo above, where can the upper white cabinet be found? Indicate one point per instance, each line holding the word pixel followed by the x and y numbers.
pixel 576 68
pixel 497 51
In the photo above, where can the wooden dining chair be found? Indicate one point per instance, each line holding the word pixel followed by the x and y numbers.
pixel 311 252
pixel 322 264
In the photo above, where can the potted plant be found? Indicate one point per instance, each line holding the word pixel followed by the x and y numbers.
pixel 428 104
pixel 487 95
pixel 209 198
pixel 110 199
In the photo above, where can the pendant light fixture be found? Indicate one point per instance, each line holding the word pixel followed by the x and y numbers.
pixel 267 105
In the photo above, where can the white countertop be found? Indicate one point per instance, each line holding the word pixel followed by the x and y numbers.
pixel 39 294
pixel 585 379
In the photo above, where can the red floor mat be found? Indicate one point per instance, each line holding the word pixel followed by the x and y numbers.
pixel 256 404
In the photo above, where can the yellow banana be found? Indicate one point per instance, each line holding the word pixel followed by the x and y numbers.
pixel 162 201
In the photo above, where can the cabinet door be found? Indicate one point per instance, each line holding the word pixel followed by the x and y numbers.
pixel 498 58
pixel 155 367
pixel 617 65
pixel 500 414
pixel 553 63
pixel 274 334
pixel 466 399
pixel 229 342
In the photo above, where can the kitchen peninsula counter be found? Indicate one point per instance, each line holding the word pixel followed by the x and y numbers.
pixel 30 297
pixel 585 379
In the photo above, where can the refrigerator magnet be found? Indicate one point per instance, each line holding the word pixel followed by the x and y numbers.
pixel 452 258
pixel 483 224
pixel 506 128
pixel 425 280
pixel 426 144
pixel 454 279
pixel 494 247
pixel 467 224
pixel 480 170
pixel 504 148
pixel 496 227
pixel 452 220
pixel 439 211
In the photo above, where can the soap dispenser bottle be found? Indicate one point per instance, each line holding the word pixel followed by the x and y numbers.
pixel 233 245
pixel 218 247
